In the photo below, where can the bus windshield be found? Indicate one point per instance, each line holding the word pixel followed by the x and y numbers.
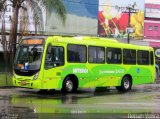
pixel 29 57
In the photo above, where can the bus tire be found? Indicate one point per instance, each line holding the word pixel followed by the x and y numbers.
pixel 69 85
pixel 126 84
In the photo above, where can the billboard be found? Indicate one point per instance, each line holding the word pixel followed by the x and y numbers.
pixel 115 16
pixel 82 19
pixel 152 11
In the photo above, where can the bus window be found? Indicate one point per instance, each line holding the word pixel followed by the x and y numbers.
pixel 114 56
pixel 76 53
pixel 151 58
pixel 96 54
pixel 143 57
pixel 129 56
pixel 54 57
pixel 29 57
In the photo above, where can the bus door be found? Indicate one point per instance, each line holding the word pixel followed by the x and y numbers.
pixel 53 61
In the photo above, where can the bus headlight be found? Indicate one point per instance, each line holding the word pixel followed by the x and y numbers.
pixel 36 76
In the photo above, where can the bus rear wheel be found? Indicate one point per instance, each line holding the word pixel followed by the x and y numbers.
pixel 126 84
pixel 69 85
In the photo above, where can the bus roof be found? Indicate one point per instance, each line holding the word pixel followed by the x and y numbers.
pixel 88 40
pixel 95 41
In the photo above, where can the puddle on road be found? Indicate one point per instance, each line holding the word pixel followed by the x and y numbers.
pixel 13 112
pixel 94 105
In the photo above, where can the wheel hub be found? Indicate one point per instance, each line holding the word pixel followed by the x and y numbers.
pixel 126 84
pixel 69 86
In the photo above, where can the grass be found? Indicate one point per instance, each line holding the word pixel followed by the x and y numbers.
pixel 5 79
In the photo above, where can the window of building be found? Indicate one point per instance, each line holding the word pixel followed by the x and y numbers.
pixel 156 28
pixel 96 54
pixel 114 56
pixel 129 56
pixel 150 28
pixel 76 53
pixel 143 57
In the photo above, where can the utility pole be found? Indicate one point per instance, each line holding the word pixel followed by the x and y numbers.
pixel 130 9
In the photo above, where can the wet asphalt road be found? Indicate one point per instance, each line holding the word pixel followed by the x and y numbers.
pixel 20 103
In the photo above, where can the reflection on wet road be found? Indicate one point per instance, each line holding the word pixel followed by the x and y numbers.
pixel 21 103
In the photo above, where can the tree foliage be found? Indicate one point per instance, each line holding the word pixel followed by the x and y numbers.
pixel 23 5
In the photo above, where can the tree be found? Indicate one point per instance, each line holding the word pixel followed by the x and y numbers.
pixel 35 5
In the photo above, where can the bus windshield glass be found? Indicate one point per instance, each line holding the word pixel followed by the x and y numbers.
pixel 28 57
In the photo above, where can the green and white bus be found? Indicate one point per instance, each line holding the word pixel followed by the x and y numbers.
pixel 69 63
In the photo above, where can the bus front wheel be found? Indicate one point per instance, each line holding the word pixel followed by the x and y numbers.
pixel 126 84
pixel 69 85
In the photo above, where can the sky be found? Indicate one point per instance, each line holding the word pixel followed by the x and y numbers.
pixel 123 3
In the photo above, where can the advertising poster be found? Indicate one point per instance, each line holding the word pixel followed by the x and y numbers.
pixel 114 20
pixel 81 19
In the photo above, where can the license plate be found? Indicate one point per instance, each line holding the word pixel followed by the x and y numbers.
pixel 23 82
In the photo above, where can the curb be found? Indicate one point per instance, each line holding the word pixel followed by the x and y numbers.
pixel 5 87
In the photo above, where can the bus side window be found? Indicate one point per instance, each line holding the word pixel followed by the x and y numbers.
pixel 114 55
pixel 76 53
pixel 129 56
pixel 54 57
pixel 143 57
pixel 71 57
pixel 96 54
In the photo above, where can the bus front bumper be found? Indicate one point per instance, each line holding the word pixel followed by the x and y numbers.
pixel 27 83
